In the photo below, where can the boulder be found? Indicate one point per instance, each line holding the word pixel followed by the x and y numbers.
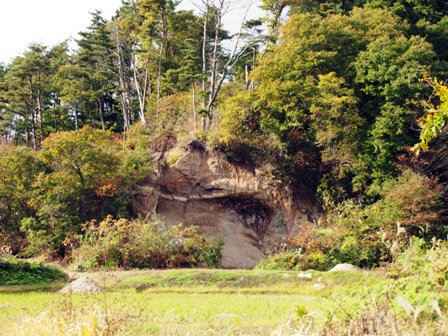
pixel 83 285
pixel 345 268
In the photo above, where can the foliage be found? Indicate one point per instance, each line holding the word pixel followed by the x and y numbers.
pixel 76 176
pixel 428 264
pixel 345 89
pixel 82 170
pixel 18 171
pixel 410 206
pixel 144 244
pixel 436 117
pixel 280 261
pixel 16 272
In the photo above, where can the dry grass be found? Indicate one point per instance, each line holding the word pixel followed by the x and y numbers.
pixel 91 321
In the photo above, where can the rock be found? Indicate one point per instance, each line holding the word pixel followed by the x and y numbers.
pixel 82 285
pixel 307 276
pixel 318 286
pixel 345 268
pixel 234 200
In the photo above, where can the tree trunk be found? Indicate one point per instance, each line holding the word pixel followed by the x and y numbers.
pixel 40 110
pixel 76 119
pixel 159 72
pixel 32 114
pixel 33 130
pixel 214 69
pixel 141 90
pixel 204 62
pixel 124 90
pixel 195 116
pixel 101 112
pixel 215 60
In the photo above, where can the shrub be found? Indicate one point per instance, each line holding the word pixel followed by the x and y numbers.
pixel 144 244
pixel 384 317
pixel 15 272
pixel 422 263
pixel 365 236
pixel 281 261
pixel 295 260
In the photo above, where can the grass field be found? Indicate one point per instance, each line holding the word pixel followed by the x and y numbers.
pixel 189 302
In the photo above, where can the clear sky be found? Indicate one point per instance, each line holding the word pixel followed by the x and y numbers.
pixel 52 21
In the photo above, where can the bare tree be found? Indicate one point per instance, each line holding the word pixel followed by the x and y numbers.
pixel 214 75
pixel 122 80
pixel 141 84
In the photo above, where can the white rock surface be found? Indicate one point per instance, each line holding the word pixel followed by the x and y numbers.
pixel 345 268
pixel 82 285
pixel 308 276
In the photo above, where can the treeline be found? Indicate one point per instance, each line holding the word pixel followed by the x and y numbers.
pixel 122 70
pixel 331 96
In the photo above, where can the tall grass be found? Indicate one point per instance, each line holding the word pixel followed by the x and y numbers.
pixel 89 321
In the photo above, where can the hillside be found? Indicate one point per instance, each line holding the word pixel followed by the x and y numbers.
pixel 312 137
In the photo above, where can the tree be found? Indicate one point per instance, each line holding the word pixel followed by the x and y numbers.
pixel 336 121
pixel 217 65
pixel 152 17
pixel 188 75
pixel 95 60
pixel 28 93
pixel 389 74
pixel 80 183
pixel 19 168
pixel 86 157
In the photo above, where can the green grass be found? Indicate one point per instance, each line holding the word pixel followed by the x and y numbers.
pixel 195 302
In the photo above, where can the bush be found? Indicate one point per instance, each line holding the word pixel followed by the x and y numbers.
pixel 281 261
pixel 295 261
pixel 410 206
pixel 144 244
pixel 15 272
pixel 419 262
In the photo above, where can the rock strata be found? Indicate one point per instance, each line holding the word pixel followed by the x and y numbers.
pixel 196 186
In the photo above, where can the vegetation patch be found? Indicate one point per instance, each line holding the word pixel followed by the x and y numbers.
pixel 172 160
pixel 144 244
pixel 14 272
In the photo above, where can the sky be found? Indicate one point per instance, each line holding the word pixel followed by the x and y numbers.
pixel 49 22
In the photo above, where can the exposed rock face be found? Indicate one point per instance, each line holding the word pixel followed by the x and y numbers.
pixel 241 204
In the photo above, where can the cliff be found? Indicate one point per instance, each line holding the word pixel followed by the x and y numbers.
pixel 197 186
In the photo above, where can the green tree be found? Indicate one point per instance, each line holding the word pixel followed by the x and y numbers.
pixel 342 90
pixel 336 121
pixel 19 168
pixel 30 100
pixel 389 73
pixel 80 184
pixel 95 61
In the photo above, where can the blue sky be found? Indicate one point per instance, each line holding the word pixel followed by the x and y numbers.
pixel 52 21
